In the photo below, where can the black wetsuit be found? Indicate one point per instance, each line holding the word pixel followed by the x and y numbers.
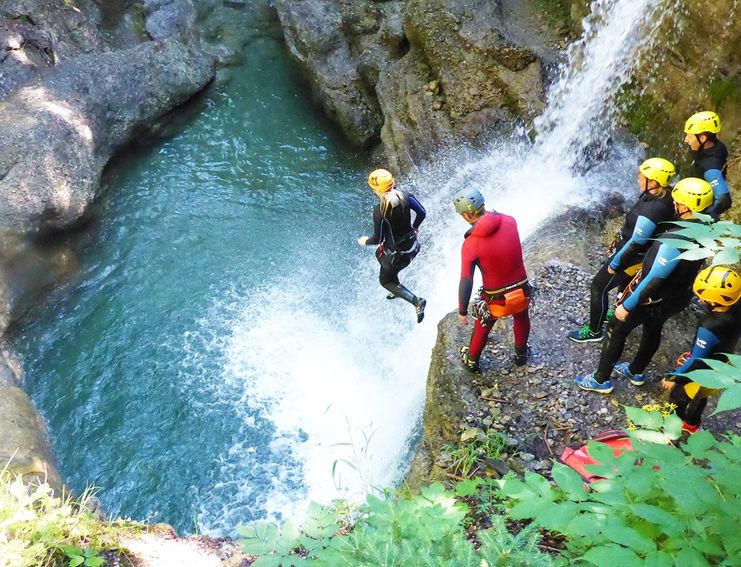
pixel 711 165
pixel 717 333
pixel 396 235
pixel 665 289
pixel 645 220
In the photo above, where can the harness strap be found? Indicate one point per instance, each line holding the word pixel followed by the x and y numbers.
pixel 506 288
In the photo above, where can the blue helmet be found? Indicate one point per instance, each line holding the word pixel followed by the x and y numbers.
pixel 468 201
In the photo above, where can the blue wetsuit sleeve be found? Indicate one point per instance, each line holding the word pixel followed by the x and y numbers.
pixel 418 209
pixel 664 264
pixel 721 193
pixel 643 230
pixel 704 347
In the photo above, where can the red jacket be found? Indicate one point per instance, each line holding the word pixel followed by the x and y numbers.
pixel 492 244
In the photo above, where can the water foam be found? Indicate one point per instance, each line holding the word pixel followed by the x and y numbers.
pixel 326 373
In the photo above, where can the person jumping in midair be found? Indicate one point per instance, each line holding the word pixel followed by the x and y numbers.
pixel 395 234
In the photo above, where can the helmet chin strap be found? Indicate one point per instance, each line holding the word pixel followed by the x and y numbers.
pixel 702 144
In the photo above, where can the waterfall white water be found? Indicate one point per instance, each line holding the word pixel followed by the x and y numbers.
pixel 344 387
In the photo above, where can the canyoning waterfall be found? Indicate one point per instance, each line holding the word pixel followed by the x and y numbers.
pixel 252 363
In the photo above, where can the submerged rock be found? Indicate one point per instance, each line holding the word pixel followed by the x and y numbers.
pixel 57 135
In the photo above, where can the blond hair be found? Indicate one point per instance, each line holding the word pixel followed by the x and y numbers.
pixel 390 200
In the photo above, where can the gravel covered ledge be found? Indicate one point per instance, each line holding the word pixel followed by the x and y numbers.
pixel 537 407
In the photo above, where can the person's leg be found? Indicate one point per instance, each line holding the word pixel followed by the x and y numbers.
pixel 478 339
pixel 655 318
pixel 389 279
pixel 612 350
pixel 602 283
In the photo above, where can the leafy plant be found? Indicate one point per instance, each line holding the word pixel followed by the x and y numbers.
pixel 416 531
pixel 658 505
pixel 720 241
pixel 724 376
pixel 37 528
pixel 470 456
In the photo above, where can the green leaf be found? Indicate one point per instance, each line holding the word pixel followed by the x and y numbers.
pixel 617 531
pixel 696 254
pixel 673 426
pixel 659 558
pixel 95 561
pixel 727 256
pixel 680 244
pixel 729 400
pixel 709 378
pixel 648 419
pixel 611 555
pixel 658 516
pixel 691 558
pixel 467 487
pixel 76 560
pixel 569 481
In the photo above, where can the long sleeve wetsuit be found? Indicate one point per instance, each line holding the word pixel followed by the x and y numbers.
pixel 711 164
pixel 664 290
pixel 492 244
pixel 717 333
pixel 645 220
pixel 396 235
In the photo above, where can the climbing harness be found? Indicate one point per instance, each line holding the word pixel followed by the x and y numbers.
pixel 488 307
pixel 630 289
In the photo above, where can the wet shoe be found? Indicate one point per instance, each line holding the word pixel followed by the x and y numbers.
pixel 585 335
pixel 420 306
pixel 521 355
pixel 691 429
pixel 623 368
pixel 610 315
pixel 470 363
pixel 391 296
pixel 591 385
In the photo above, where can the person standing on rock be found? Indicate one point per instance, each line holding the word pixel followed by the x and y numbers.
pixel 719 331
pixel 660 290
pixel 711 157
pixel 396 235
pixel 493 244
pixel 643 222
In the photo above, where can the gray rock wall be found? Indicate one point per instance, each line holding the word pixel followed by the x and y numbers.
pixel 418 74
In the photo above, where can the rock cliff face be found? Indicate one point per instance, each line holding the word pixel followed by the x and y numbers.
pixel 418 74
pixel 694 64
pixel 57 135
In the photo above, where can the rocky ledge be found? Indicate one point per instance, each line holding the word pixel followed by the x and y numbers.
pixel 537 407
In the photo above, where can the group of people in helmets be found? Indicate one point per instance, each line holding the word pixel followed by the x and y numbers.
pixel 644 264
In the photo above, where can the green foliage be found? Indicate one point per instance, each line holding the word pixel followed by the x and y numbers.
pixel 37 528
pixel 416 531
pixel 720 241
pixel 721 375
pixel 471 455
pixel 721 89
pixel 659 505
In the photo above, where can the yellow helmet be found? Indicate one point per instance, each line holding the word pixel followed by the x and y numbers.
pixel 658 169
pixel 718 284
pixel 700 122
pixel 695 193
pixel 381 181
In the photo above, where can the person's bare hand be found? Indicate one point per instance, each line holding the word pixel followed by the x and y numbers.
pixel 363 240
pixel 463 319
pixel 621 313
